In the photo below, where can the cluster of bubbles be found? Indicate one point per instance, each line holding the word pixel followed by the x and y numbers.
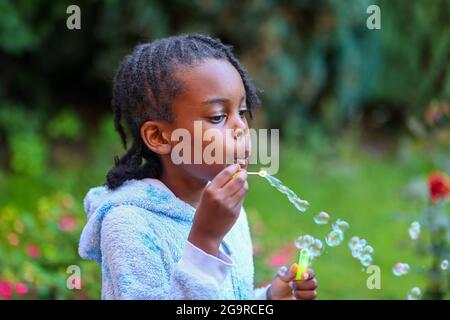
pixel 400 269
pixel 300 204
pixel 314 245
pixel 334 238
pixel 361 250
pixel 414 230
pixel 359 247
pixel 336 235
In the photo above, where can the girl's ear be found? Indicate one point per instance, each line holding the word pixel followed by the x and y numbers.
pixel 156 137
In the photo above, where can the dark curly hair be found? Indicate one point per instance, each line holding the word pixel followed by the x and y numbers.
pixel 144 87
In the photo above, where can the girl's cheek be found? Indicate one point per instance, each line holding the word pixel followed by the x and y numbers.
pixel 232 147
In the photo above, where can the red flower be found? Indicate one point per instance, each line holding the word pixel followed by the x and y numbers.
pixel 6 289
pixel 439 186
pixel 21 289
pixel 33 251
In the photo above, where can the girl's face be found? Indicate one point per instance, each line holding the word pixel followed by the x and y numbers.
pixel 213 95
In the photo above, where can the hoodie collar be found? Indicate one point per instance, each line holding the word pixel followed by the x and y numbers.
pixel 150 194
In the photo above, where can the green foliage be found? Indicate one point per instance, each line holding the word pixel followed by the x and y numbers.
pixel 436 221
pixel 41 212
pixel 29 154
pixel 316 60
pixel 41 245
pixel 416 47
pixel 66 125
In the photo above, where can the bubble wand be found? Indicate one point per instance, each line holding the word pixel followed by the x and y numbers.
pixel 303 263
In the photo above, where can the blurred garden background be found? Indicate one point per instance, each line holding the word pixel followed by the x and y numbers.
pixel 364 118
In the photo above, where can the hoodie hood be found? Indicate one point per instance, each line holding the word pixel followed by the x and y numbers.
pixel 148 194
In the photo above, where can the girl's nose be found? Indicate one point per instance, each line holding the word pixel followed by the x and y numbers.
pixel 240 128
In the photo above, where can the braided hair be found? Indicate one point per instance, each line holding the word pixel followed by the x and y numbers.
pixel 144 87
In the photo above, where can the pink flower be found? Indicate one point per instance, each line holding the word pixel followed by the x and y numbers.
pixel 21 289
pixel 6 289
pixel 67 223
pixel 33 251
pixel 282 257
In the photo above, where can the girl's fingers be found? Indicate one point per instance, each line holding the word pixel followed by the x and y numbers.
pixel 305 295
pixel 236 183
pixel 289 275
pixel 238 205
pixel 305 285
pixel 224 176
pixel 308 275
pixel 238 197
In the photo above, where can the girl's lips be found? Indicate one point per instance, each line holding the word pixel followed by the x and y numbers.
pixel 243 159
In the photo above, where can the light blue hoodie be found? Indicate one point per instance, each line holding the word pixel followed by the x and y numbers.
pixel 138 234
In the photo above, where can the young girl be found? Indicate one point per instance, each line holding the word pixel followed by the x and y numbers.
pixel 167 231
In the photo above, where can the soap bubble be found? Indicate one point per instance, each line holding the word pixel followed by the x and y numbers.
pixel 400 269
pixel 356 254
pixel 335 237
pixel 356 244
pixel 274 182
pixel 322 218
pixel 304 241
pixel 414 294
pixel 361 250
pixel 300 204
pixel 444 264
pixel 353 243
pixel 366 250
pixel 366 260
pixel 340 225
pixel 315 246
pixel 414 230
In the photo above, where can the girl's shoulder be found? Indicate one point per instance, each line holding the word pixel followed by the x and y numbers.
pixel 140 194
pixel 134 209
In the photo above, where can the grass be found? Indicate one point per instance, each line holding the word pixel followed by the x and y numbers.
pixel 354 185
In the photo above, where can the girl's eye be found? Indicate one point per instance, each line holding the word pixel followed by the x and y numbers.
pixel 217 119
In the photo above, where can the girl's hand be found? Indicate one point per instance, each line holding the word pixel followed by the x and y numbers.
pixel 285 287
pixel 218 209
